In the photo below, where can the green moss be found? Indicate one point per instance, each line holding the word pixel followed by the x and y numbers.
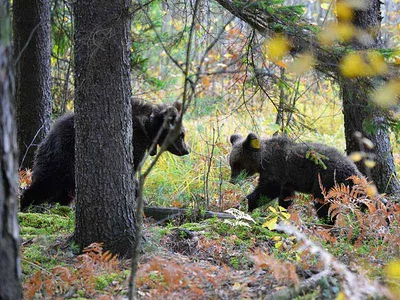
pixel 37 256
pixel 234 262
pixel 193 226
pixel 104 281
pixel 45 224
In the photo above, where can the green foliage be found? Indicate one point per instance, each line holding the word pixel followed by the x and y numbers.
pixel 317 158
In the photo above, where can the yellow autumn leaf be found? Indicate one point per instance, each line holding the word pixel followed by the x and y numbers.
pixel 392 270
pixel 377 63
pixel 353 65
pixel 369 163
pixel 356 156
pixel 388 94
pixel 277 238
pixel 344 12
pixel 272 209
pixel 302 63
pixel 281 209
pixel 278 245
pixel 228 55
pixel 271 224
pixel 341 296
pixel 276 48
pixel 255 144
pixel 344 31
pixel 285 215
pixel 371 191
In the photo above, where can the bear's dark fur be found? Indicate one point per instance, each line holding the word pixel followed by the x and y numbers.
pixel 53 177
pixel 284 168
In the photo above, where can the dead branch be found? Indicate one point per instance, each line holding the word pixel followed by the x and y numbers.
pixel 163 214
pixel 303 288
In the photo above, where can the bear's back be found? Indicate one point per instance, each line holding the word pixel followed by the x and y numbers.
pixel 274 153
pixel 306 162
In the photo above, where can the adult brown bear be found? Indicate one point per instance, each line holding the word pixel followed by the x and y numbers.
pixel 53 177
pixel 285 167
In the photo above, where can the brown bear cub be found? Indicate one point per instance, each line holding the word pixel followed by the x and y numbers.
pixel 285 167
pixel 53 177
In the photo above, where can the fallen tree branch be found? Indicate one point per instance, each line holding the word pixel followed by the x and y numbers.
pixel 303 288
pixel 163 214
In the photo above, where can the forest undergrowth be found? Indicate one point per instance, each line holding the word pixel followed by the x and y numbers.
pixel 248 257
pixel 245 257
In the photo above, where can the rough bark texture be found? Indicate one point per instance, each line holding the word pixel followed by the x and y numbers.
pixel 10 274
pixel 103 120
pixel 359 115
pixel 355 93
pixel 33 78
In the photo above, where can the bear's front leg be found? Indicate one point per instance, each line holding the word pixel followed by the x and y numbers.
pixel 269 190
pixel 286 192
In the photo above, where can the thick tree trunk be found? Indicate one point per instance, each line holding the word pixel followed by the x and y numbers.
pixel 10 273
pixel 103 145
pixel 361 116
pixel 33 95
pixel 356 109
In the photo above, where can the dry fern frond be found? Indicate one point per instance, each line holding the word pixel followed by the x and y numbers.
pixel 25 178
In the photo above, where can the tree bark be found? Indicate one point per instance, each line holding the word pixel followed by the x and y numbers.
pixel 105 189
pixel 355 93
pixel 32 49
pixel 361 116
pixel 10 273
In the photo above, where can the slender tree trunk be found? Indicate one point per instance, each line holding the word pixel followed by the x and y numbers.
pixel 10 273
pixel 103 120
pixel 32 55
pixel 361 116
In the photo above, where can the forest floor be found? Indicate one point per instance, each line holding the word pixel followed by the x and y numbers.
pixel 215 259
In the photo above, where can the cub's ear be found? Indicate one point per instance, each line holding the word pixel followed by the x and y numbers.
pixel 252 142
pixel 234 138
pixel 178 106
pixel 171 113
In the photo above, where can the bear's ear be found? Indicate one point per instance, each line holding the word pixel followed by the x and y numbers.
pixel 252 142
pixel 234 138
pixel 171 113
pixel 178 106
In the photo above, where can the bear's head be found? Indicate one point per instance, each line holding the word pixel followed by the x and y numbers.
pixel 166 119
pixel 245 156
